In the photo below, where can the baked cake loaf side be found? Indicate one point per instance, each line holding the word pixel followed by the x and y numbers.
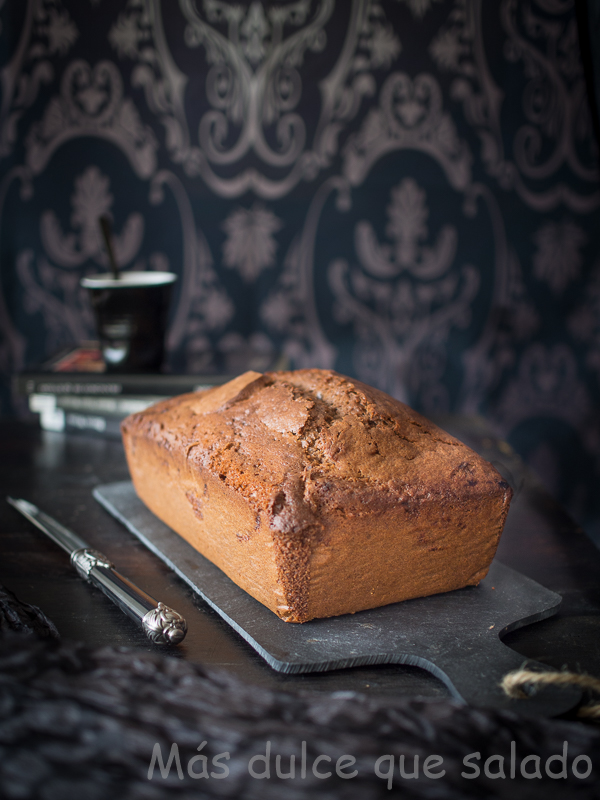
pixel 317 494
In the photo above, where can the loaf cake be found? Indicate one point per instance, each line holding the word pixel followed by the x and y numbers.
pixel 317 494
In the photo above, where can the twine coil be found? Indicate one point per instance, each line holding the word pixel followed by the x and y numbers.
pixel 513 683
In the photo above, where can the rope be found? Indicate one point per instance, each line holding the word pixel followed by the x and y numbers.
pixel 513 682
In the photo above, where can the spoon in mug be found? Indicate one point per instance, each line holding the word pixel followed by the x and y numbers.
pixel 105 227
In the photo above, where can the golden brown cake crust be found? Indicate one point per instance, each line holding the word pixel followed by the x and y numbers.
pixel 316 493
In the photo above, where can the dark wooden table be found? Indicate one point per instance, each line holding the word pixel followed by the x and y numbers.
pixel 58 472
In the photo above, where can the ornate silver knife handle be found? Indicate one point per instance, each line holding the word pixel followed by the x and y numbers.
pixel 84 561
pixel 161 624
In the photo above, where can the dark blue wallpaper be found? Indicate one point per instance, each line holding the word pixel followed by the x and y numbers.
pixel 404 190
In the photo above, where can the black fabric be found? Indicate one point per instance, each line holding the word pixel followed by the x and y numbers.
pixel 19 617
pixel 82 724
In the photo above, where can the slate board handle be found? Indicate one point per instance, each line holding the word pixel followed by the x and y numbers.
pixel 474 673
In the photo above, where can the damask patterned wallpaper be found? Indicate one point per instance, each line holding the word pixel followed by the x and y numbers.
pixel 405 190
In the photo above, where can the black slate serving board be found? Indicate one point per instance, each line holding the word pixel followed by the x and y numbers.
pixel 455 636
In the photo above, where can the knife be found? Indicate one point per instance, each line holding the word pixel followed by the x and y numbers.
pixel 161 624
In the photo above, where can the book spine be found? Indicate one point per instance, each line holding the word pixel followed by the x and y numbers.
pixel 107 427
pixel 103 406
pixel 55 418
pixel 27 384
pixel 38 384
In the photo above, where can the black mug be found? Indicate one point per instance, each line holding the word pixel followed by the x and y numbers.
pixel 131 318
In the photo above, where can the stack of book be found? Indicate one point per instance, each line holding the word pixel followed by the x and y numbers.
pixel 72 392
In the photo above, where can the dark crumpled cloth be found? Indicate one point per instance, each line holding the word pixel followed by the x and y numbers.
pixel 81 724
pixel 22 617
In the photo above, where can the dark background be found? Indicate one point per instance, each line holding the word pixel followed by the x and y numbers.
pixel 406 191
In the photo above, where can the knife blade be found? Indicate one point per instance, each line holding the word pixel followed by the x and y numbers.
pixel 161 624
